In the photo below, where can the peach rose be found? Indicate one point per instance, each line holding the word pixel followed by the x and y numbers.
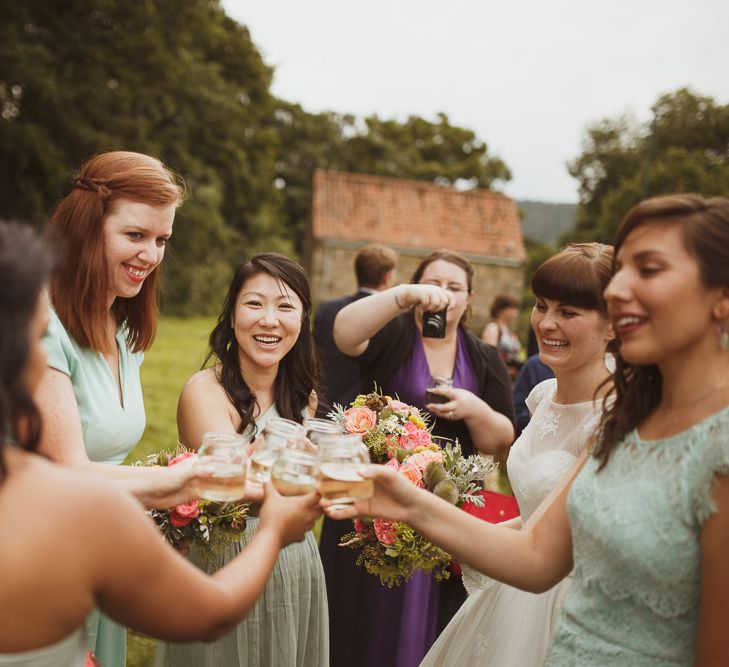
pixel 184 514
pixel 422 459
pixel 385 530
pixel 359 420
pixel 413 474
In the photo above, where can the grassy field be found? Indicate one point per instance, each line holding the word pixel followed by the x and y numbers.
pixel 177 352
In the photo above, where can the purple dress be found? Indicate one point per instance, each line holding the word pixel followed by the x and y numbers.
pixel 408 619
pixel 372 625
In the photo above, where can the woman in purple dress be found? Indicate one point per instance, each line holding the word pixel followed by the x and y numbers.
pixel 387 334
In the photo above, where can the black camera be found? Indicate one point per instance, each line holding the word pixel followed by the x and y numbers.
pixel 434 324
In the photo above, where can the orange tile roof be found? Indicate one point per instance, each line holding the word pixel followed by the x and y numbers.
pixel 359 207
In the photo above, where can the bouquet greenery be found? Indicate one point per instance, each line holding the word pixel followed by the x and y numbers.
pixel 399 436
pixel 204 523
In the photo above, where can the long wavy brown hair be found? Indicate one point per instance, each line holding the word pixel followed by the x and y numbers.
pixel 704 225
pixel 299 371
pixel 79 285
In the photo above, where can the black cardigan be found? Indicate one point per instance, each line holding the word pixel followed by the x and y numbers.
pixel 391 347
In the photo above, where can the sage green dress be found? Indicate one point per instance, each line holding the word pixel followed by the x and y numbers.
pixel 287 627
pixel 67 652
pixel 636 524
pixel 111 428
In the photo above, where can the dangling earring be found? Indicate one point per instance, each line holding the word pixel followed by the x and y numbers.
pixel 723 335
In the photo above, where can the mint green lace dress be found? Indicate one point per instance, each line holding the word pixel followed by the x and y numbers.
pixel 634 599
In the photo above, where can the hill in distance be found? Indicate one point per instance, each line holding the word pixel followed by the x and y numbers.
pixel 545 221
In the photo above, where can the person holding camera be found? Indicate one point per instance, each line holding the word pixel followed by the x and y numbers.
pixel 409 340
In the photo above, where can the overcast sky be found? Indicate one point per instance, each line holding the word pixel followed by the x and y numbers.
pixel 527 76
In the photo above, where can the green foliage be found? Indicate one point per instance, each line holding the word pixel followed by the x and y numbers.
pixel 684 149
pixel 179 80
pixel 183 81
pixel 399 561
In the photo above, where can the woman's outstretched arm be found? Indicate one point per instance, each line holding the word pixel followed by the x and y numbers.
pixel 533 559
pixel 356 323
pixel 144 584
pixel 62 441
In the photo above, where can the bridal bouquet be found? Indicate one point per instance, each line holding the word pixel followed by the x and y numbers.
pixel 205 523
pixel 398 435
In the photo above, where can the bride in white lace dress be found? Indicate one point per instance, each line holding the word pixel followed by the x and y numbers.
pixel 500 625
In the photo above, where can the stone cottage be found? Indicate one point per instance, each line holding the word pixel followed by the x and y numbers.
pixel 414 218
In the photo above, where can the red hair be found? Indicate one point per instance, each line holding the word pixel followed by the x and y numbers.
pixel 80 283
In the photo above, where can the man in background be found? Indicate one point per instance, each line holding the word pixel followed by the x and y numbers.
pixel 374 266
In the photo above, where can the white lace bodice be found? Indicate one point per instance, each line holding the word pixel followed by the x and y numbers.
pixel 549 445
pixel 544 452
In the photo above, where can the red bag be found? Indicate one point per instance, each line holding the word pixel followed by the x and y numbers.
pixel 497 507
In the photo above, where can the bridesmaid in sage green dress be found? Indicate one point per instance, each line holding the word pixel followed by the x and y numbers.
pixel 267 367
pixel 111 230
pixel 642 521
pixel 77 540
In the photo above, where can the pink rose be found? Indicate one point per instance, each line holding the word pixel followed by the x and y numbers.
pixel 181 457
pixel 424 438
pixel 413 474
pixel 184 514
pixel 385 530
pixel 392 463
pixel 359 420
pixel 422 459
pixel 399 406
pixel 415 437
pixel 359 526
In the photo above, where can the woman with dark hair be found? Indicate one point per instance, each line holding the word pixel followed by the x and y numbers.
pixel 111 231
pixel 267 367
pixel 498 624
pixel 643 519
pixel 77 542
pixel 499 331
pixel 387 333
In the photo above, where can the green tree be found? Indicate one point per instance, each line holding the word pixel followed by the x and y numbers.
pixel 685 148
pixel 177 79
pixel 183 81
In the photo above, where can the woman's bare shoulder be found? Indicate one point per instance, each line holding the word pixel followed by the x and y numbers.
pixel 55 487
pixel 204 385
pixel 207 376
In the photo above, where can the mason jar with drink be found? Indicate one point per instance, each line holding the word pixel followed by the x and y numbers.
pixel 225 456
pixel 278 434
pixel 340 460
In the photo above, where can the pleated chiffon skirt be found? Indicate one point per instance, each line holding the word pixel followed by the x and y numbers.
pixel 287 627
